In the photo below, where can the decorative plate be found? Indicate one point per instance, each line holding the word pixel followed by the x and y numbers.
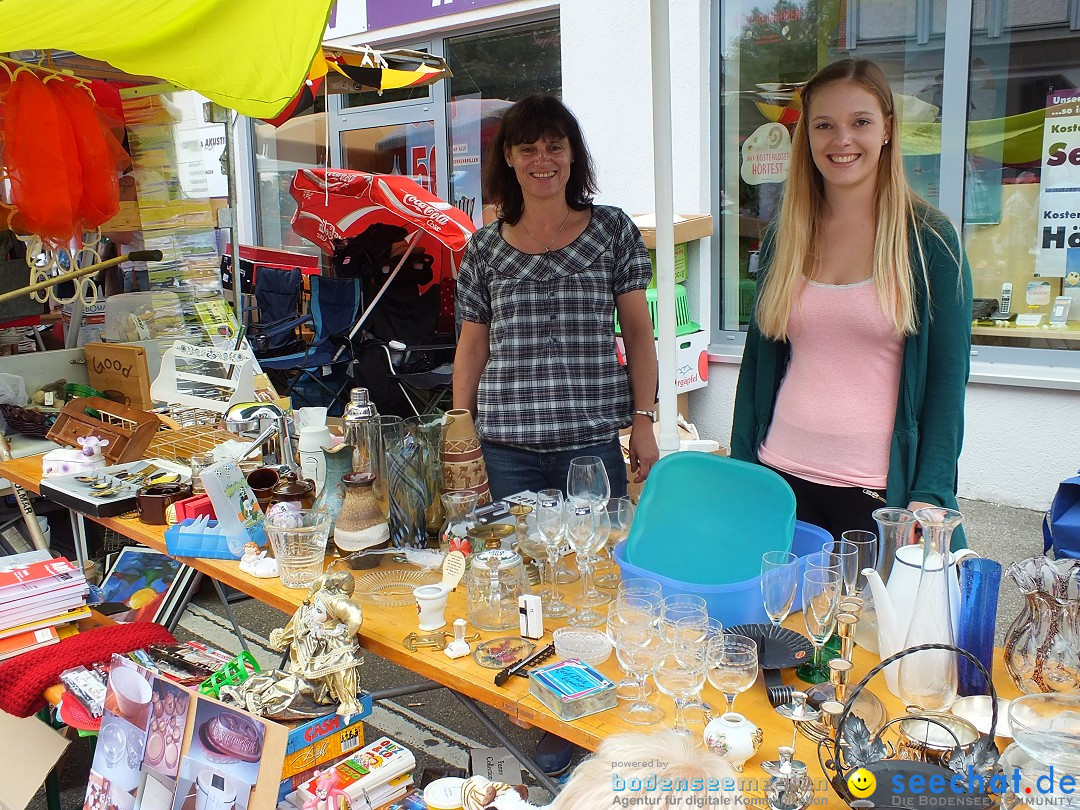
pixel 778 647
pixel 500 653
pixel 392 588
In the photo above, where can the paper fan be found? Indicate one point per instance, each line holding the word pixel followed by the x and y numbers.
pixel 778 647
pixel 392 588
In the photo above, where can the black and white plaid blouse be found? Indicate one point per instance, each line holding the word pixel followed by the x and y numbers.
pixel 553 380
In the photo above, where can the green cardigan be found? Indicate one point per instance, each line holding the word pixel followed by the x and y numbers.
pixel 929 427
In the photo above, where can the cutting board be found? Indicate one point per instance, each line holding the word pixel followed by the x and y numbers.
pixel 120 368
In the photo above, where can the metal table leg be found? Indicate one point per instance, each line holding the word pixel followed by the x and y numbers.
pixel 185 600
pixel 545 781
pixel 232 616
pixel 78 536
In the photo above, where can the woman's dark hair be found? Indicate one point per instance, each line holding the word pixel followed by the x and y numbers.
pixel 535 117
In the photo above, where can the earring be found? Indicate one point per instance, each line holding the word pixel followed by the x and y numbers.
pixel 886 141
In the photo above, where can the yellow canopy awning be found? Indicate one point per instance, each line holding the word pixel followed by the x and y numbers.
pixel 248 55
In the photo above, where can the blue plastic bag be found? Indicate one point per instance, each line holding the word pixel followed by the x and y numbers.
pixel 1061 526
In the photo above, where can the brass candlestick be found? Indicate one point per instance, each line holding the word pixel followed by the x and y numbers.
pixel 845 628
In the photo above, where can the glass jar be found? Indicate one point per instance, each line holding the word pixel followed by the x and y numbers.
pixel 454 534
pixel 493 584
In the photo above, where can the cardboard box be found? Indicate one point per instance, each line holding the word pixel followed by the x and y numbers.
pixel 682 267
pixel 691 360
pixel 330 740
pixel 687 227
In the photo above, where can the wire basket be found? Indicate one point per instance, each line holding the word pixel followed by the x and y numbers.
pixel 27 422
pixel 853 747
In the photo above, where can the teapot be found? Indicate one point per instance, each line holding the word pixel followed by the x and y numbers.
pixel 895 602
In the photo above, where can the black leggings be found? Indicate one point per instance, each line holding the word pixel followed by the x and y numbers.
pixel 835 509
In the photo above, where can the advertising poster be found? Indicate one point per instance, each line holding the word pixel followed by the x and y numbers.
pixel 465 180
pixel 1058 237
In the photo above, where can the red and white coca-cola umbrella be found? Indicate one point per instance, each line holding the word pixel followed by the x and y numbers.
pixel 335 204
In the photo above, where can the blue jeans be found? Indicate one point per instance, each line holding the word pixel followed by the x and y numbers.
pixel 511 469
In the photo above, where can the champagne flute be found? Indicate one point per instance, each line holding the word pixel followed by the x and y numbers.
pixel 848 555
pixel 823 559
pixel 551 523
pixel 732 665
pixel 821 601
pixel 779 578
pixel 867 545
pixel 590 596
pixel 621 513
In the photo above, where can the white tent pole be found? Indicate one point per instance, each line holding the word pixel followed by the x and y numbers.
pixel 665 228
pixel 409 245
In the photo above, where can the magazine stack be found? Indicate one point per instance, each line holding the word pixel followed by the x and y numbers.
pixel 38 594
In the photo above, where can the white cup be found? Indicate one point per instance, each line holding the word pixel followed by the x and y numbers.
pixel 430 604
pixel 214 791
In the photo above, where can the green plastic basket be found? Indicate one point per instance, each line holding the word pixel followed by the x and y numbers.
pixel 683 324
pixel 235 672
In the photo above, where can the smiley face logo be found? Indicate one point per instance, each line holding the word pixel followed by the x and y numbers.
pixel 861 783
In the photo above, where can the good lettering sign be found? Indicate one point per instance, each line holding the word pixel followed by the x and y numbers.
pixel 1059 198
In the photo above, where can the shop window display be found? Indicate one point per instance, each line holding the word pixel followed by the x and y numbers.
pixel 1019 156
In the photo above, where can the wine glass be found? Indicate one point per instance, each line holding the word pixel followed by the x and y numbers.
pixel 680 606
pixel 621 513
pixel 581 531
pixel 779 578
pixel 642 587
pixel 590 596
pixel 680 675
pixel 639 649
pixel 587 481
pixel 823 559
pixel 696 630
pixel 732 665
pixel 630 609
pixel 821 601
pixel 551 523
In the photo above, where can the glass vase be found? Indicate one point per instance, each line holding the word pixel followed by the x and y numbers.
pixel 408 491
pixel 928 678
pixel 1041 651
pixel 454 534
pixel 427 432
pixel 980 579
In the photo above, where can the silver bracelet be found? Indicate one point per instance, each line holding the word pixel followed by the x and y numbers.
pixel 642 412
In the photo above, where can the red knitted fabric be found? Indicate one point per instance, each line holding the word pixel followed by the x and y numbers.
pixel 24 678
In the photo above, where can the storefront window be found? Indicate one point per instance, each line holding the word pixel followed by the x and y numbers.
pixel 768 52
pixel 1022 190
pixel 407 149
pixel 492 70
pixel 299 143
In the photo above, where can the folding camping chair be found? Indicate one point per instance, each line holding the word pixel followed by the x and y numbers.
pixel 427 387
pixel 333 308
pixel 272 323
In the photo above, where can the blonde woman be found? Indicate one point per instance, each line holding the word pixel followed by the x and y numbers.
pixel 856 360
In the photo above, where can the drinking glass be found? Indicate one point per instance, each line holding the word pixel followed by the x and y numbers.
pixel 299 543
pixel 867 545
pixel 587 481
pixel 680 606
pixel 581 523
pixel 626 610
pixel 199 462
pixel 821 600
pixel 732 665
pixel 696 631
pixel 590 596
pixel 680 675
pixel 621 513
pixel 642 587
pixel 823 559
pixel 848 555
pixel 639 649
pixel 551 523
pixel 779 578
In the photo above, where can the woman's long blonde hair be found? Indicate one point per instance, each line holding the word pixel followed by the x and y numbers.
pixel 798 228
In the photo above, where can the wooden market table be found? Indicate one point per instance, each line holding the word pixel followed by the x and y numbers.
pixel 385 628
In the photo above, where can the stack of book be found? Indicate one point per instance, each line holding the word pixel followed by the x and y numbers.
pixel 375 775
pixel 38 594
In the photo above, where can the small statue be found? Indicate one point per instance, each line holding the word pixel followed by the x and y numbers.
pixel 66 460
pixel 324 658
pixel 257 562
pixel 328 792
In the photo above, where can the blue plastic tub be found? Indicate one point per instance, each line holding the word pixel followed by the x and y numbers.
pixel 735 602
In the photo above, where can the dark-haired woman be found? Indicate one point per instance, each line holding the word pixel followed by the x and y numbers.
pixel 536 359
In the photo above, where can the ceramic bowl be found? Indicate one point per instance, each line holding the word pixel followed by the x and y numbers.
pixel 1048 728
pixel 976 710
pixel 589 646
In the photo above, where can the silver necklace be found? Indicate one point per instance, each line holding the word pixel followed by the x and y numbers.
pixel 547 247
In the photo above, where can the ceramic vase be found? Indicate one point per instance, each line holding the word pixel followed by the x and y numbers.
pixel 734 738
pixel 462 459
pixel 360 524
